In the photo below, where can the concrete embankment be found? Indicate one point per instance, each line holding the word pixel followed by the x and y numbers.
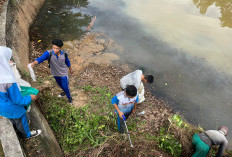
pixel 15 20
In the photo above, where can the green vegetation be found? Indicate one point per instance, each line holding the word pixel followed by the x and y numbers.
pixel 169 143
pixel 83 129
pixel 77 128
pixel 94 124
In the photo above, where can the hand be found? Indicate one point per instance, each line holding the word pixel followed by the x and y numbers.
pixel 34 97
pixel 120 114
pixel 134 110
pixel 71 71
pixel 32 64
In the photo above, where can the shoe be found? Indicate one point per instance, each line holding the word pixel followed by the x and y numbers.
pixel 70 101
pixel 61 94
pixel 35 133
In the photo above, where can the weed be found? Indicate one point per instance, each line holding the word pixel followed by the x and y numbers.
pixel 168 143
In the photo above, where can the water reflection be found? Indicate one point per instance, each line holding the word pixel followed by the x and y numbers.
pixel 56 20
pixel 224 5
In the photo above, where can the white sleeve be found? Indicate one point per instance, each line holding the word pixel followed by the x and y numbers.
pixel 137 81
pixel 123 82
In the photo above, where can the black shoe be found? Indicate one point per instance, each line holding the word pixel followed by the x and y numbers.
pixel 61 94
pixel 70 101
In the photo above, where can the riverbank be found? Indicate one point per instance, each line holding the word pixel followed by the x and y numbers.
pixel 88 127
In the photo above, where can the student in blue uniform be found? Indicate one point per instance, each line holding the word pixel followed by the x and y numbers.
pixel 125 103
pixel 59 64
pixel 12 103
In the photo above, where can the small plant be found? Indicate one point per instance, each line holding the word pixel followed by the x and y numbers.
pixel 176 119
pixel 168 143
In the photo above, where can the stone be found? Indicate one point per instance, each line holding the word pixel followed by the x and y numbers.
pixel 9 139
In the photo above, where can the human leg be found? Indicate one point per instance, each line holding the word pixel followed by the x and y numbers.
pixel 201 149
pixel 22 126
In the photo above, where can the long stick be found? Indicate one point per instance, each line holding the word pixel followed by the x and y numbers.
pixel 124 120
pixel 91 23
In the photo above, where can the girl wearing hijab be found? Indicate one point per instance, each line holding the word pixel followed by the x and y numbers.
pixel 12 103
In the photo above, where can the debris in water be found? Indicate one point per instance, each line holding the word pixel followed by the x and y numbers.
pixel 91 23
pixel 166 84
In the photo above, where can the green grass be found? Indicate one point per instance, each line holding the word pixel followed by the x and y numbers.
pixel 81 128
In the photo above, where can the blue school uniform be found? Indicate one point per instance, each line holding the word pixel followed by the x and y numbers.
pixel 125 105
pixel 12 105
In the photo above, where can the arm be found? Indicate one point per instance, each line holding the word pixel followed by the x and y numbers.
pixel 67 62
pixel 221 149
pixel 141 89
pixel 41 59
pixel 70 69
pixel 119 112
pixel 123 83
pixel 135 105
pixel 115 102
pixel 15 95
pixel 137 84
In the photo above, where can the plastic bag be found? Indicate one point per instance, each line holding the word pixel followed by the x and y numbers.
pixel 28 91
pixel 32 73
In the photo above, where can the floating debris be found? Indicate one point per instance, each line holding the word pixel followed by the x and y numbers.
pixel 91 23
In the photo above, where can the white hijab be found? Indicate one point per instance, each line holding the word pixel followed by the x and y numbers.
pixel 6 73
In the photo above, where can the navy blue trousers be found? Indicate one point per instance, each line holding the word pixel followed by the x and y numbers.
pixel 22 126
pixel 63 82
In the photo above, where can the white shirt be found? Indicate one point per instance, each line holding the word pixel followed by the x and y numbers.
pixel 133 78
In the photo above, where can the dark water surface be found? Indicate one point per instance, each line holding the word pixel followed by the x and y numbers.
pixel 186 45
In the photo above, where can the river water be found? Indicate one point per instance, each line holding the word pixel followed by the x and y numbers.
pixel 184 43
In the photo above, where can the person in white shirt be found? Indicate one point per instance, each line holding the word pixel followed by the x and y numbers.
pixel 137 79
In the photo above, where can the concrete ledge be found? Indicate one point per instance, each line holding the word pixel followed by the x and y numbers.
pixel 3 24
pixel 20 15
pixel 9 140
pixel 46 144
pixel 15 20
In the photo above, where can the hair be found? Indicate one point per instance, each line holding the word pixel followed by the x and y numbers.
pixel 57 42
pixel 149 78
pixel 224 129
pixel 131 90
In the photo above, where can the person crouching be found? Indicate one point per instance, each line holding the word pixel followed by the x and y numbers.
pixel 125 103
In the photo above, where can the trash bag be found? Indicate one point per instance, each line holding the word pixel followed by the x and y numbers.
pixel 28 91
